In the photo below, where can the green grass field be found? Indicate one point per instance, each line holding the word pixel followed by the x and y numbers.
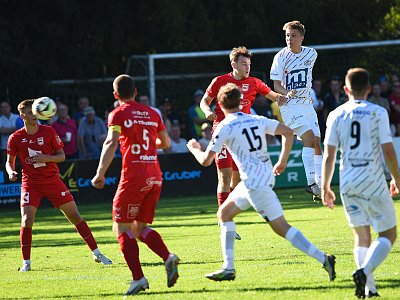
pixel 268 267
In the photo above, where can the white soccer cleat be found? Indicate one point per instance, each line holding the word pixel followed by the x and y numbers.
pixel 171 266
pixel 137 286
pixel 25 268
pixel 100 258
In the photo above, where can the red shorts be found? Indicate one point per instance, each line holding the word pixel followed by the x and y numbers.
pixel 224 160
pixel 56 192
pixel 136 199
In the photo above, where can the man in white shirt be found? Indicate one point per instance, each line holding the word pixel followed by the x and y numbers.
pixel 178 144
pixel 244 136
pixel 361 131
pixel 7 126
pixel 291 72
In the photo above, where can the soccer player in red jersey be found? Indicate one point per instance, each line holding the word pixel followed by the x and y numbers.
pixel 40 149
pixel 240 57
pixel 140 131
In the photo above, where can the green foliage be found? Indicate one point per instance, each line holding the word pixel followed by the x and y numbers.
pixel 267 266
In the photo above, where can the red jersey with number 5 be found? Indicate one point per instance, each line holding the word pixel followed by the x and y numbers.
pixel 249 88
pixel 138 125
pixel 25 146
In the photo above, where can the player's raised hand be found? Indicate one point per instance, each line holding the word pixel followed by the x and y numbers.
pixel 193 144
pixel 394 187
pixel 291 94
pixel 211 116
pixel 98 181
pixel 328 198
pixel 13 175
pixel 280 100
pixel 279 168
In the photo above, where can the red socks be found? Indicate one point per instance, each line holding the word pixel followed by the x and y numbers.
pixel 85 232
pixel 130 250
pixel 25 237
pixel 222 197
pixel 155 242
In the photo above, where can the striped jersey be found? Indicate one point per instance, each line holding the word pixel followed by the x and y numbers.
pixel 294 70
pixel 359 128
pixel 244 136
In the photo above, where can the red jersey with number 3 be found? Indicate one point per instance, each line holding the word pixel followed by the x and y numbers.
pixel 25 146
pixel 249 88
pixel 138 125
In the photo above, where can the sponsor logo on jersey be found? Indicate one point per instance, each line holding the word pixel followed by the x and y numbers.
pixel 64 193
pixel 128 123
pixel 32 141
pixel 148 157
pixel 245 87
pixel 58 140
pixel 296 79
pixel 308 62
pixel 25 198
pixel 352 209
pixel 133 210
pixel 150 183
pixel 24 140
pixel 222 154
pixel 40 141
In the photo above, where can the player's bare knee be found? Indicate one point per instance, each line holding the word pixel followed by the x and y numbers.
pixel 27 221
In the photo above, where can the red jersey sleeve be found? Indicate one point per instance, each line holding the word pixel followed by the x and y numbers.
pixel 161 125
pixel 213 88
pixel 11 145
pixel 56 142
pixel 262 88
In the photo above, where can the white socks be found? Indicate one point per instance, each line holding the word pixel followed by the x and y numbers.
pixel 359 257
pixel 318 169
pixel 307 154
pixel 299 241
pixel 376 254
pixel 228 234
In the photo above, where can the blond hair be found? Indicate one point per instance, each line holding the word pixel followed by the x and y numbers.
pixel 25 104
pixel 295 25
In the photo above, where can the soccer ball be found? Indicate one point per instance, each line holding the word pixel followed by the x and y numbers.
pixel 44 108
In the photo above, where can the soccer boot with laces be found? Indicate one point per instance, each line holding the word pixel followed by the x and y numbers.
pixel 329 266
pixel 171 267
pixel 313 189
pixel 137 286
pixel 222 275
pixel 360 279
pixel 100 258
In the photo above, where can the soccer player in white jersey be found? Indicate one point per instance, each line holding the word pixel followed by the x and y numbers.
pixel 291 72
pixel 361 131
pixel 244 136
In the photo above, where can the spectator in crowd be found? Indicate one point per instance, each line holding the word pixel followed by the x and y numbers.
pixel 178 144
pixel 335 96
pixel 376 97
pixel 205 135
pixel 67 131
pixel 168 112
pixel 83 102
pixel 316 94
pixel 91 134
pixel 394 100
pixel 385 87
pixel 144 99
pixel 7 126
pixel 196 116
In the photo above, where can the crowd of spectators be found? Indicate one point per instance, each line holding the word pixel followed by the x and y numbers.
pixel 84 131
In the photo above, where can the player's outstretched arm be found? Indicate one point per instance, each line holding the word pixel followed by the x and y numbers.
pixel 287 142
pixel 391 160
pixel 10 168
pixel 205 107
pixel 276 97
pixel 328 167
pixel 205 158
pixel 106 157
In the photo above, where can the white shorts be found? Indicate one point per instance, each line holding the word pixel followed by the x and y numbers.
pixel 376 211
pixel 301 118
pixel 263 200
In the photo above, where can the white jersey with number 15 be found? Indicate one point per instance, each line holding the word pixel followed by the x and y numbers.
pixel 244 136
